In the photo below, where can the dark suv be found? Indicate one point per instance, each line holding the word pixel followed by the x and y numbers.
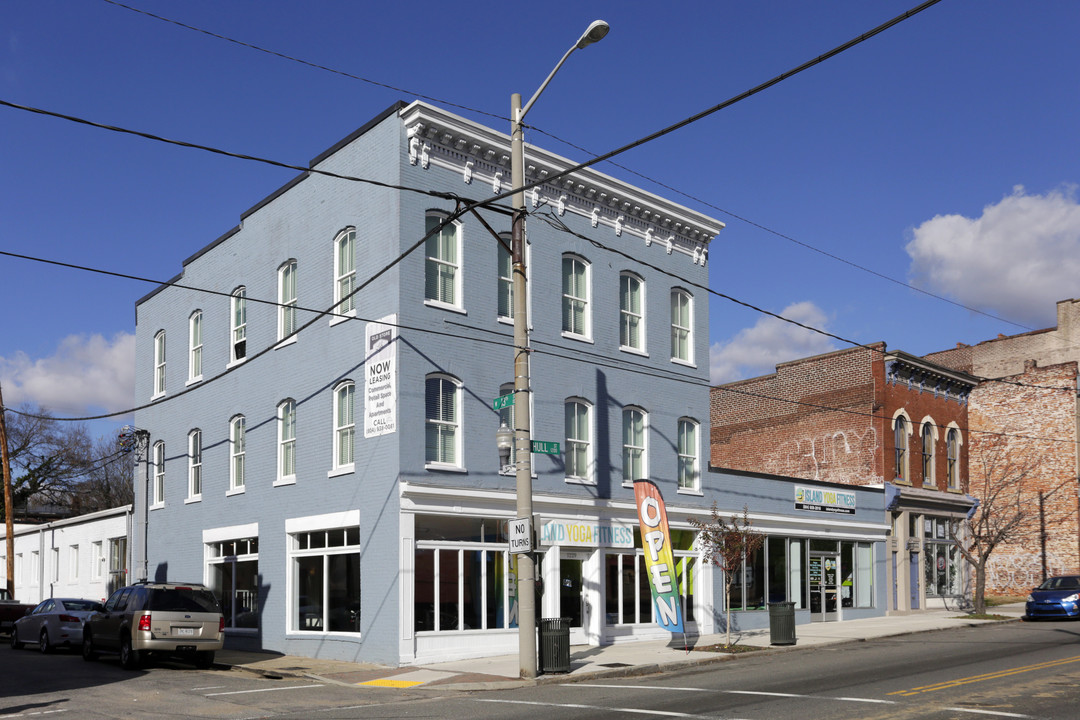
pixel 150 618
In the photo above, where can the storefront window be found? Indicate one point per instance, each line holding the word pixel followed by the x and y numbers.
pixel 234 578
pixel 326 580
pixel 941 566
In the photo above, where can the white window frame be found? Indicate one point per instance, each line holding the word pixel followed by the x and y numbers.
pixel 195 478
pixel 286 442
pixel 505 289
pixel 246 550
pixel 344 429
pixel 691 456
pixel 586 407
pixel 682 334
pixel 238 325
pixel 287 303
pixel 159 475
pixel 641 448
pixel 902 455
pixel 159 364
pixel 54 562
pixel 925 463
pixel 437 264
pixel 953 454
pixel 97 560
pixel 628 316
pixel 195 347
pixel 237 455
pixel 452 424
pixel 344 276
pixel 295 528
pixel 569 299
pixel 73 563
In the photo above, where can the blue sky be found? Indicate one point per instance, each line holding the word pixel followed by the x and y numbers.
pixel 941 154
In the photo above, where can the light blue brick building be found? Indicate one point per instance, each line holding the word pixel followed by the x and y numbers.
pixel 322 433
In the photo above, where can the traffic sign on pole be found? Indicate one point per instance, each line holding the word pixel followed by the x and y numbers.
pixel 545 447
pixel 503 401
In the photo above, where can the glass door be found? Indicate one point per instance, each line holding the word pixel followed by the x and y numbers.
pixel 824 574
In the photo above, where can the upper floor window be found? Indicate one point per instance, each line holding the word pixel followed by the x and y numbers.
pixel 345 272
pixel 682 326
pixel 195 346
pixel 195 465
pixel 237 452
pixel 952 443
pixel 442 268
pixel 286 300
pixel 578 451
pixel 631 312
pixel 900 439
pixel 344 425
pixel 159 363
pixel 506 279
pixel 928 453
pixel 159 474
pixel 287 441
pixel 575 301
pixel 238 314
pixel 689 475
pixel 443 421
pixel 635 428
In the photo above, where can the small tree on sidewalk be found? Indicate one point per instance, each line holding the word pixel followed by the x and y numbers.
pixel 727 543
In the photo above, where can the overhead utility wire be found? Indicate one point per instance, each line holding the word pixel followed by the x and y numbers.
pixel 304 62
pixel 227 153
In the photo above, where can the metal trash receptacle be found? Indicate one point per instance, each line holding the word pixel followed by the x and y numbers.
pixel 782 623
pixel 554 645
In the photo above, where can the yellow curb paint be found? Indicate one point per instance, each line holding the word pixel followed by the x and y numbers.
pixel 387 682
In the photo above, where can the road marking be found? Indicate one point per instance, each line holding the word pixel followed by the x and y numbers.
pixel 390 683
pixel 997 713
pixel 34 714
pixel 988 676
pixel 578 706
pixel 271 689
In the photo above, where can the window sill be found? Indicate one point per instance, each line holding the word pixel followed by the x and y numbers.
pixel 440 467
pixel 157 396
pixel 686 363
pixel 633 351
pixel 234 363
pixel 291 480
pixel 317 634
pixel 579 481
pixel 193 381
pixel 286 342
pixel 445 306
pixel 343 470
pixel 690 491
pixel 193 499
pixel 235 491
pixel 343 317
pixel 575 336
pixel 157 506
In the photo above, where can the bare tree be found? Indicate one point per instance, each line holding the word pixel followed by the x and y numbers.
pixel 109 479
pixel 1004 480
pixel 727 543
pixel 48 458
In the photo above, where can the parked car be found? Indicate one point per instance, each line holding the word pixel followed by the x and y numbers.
pixel 1057 597
pixel 10 610
pixel 150 618
pixel 53 623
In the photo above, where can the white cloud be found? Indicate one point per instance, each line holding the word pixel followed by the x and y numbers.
pixel 85 376
pixel 1017 259
pixel 756 350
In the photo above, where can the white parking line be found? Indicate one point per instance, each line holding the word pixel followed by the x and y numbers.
pixel 270 689
pixel 996 713
pixel 34 714
pixel 578 706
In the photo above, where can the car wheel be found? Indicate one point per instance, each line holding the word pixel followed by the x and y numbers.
pixel 14 639
pixel 204 660
pixel 43 642
pixel 129 656
pixel 88 652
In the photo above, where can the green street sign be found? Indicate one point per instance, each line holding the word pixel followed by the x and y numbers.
pixel 547 448
pixel 503 401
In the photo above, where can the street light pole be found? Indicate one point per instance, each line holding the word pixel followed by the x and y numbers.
pixel 526 584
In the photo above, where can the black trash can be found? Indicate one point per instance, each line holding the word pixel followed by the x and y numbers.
pixel 554 646
pixel 782 623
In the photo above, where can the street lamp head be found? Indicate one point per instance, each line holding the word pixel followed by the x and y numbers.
pixel 504 440
pixel 594 33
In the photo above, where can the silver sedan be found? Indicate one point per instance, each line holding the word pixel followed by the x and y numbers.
pixel 54 622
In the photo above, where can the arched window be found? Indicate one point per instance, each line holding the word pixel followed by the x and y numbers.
pixel 159 363
pixel 443 421
pixel 238 324
pixel 195 346
pixel 344 425
pixel 635 456
pixel 631 312
pixel 286 299
pixel 159 474
pixel 286 442
pixel 900 439
pixel 682 326
pixel 576 312
pixel 578 451
pixel 928 453
pixel 689 474
pixel 237 452
pixel 195 465
pixel 952 441
pixel 345 272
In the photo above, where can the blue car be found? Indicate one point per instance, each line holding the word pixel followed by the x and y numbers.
pixel 1057 597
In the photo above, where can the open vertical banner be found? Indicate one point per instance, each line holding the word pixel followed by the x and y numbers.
pixel 659 561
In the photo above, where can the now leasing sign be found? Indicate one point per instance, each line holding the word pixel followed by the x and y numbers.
pixel 659 561
pixel 380 377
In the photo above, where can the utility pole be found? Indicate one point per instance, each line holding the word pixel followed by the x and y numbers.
pixel 9 509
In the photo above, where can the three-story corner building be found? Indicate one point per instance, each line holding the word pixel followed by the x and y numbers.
pixel 321 379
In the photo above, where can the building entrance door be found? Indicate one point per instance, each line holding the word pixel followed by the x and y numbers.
pixel 572 601
pixel 824 586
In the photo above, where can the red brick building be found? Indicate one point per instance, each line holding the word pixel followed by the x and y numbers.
pixel 865 416
pixel 1027 408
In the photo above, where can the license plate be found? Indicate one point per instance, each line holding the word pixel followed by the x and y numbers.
pixel 184 631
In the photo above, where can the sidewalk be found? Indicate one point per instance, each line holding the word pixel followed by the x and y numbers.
pixel 622 659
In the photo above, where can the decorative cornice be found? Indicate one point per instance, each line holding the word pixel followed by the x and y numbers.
pixel 480 155
pixel 923 376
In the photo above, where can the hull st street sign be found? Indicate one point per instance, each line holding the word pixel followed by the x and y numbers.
pixel 545 447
